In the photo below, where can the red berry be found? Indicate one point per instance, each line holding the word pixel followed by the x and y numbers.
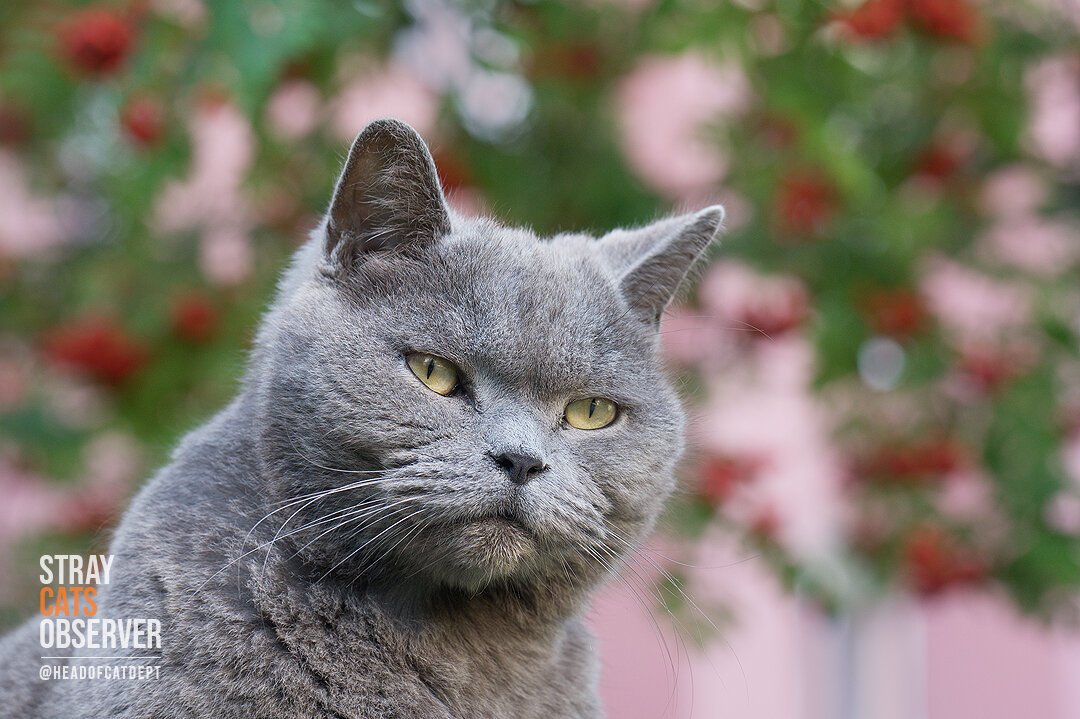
pixel 1070 423
pixel 721 475
pixel 868 535
pixel 934 563
pixel 771 318
pixel 805 203
pixel 940 456
pixel 765 525
pixel 896 313
pixel 988 369
pixel 212 97
pixel 913 464
pixel 946 19
pixel 873 20
pixel 143 120
pixel 572 61
pixel 97 347
pixel 96 41
pixel 87 513
pixel 938 163
pixel 194 318
pixel 452 172
pixel 14 127
pixel 776 131
pixel 582 60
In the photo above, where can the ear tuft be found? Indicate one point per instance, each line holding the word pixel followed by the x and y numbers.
pixel 388 195
pixel 652 261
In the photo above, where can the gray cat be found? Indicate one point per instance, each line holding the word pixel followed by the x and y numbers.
pixel 449 434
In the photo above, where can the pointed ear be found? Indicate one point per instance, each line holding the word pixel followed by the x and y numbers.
pixel 388 195
pixel 652 261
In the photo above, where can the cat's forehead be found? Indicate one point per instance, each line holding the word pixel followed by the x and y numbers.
pixel 548 308
pixel 511 278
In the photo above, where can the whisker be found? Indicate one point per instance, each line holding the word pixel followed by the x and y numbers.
pixel 353 553
pixel 307 500
pixel 304 506
pixel 259 547
pixel 351 485
pixel 674 663
pixel 676 585
pixel 409 535
pixel 367 512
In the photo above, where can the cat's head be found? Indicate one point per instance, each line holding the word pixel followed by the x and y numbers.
pixel 476 405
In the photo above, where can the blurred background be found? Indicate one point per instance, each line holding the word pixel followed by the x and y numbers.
pixel 880 515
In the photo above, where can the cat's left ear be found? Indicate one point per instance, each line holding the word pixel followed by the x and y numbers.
pixel 652 261
pixel 388 195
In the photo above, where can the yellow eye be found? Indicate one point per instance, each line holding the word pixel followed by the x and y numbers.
pixel 591 413
pixel 438 374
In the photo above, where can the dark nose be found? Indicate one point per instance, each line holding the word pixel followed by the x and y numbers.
pixel 520 467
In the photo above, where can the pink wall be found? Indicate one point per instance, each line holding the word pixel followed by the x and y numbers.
pixel 984 661
pixel 964 656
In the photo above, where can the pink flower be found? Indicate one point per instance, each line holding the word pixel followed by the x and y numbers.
pixel 747 305
pixel 687 336
pixel 16 364
pixel 111 465
pixel 665 106
pixel 1071 458
pixel 29 225
pixel 1041 247
pixel 1016 190
pixel 630 5
pixel 293 110
pixel 212 198
pixel 30 504
pixel 223 148
pixel 189 14
pixel 1054 90
pixel 1063 513
pixel 966 496
pixel 972 305
pixel 985 367
pixel 225 255
pixel 390 91
pixel 765 408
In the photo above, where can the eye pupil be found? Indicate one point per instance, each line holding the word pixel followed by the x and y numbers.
pixel 437 374
pixel 590 413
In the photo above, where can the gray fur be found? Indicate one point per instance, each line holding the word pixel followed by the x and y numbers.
pixel 423 608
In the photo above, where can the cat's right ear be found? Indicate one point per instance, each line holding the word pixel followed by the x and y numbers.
pixel 388 196
pixel 652 261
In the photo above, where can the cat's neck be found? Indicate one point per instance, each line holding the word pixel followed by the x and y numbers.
pixel 477 657
pixel 519 609
pixel 492 621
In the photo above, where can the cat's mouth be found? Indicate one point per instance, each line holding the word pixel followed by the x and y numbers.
pixel 497 541
pixel 505 521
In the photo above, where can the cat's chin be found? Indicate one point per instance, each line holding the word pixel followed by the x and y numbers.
pixel 486 550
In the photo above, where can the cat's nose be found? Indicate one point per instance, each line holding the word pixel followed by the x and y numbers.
pixel 520 467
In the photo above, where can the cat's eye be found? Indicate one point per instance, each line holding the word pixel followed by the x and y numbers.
pixel 437 374
pixel 591 413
